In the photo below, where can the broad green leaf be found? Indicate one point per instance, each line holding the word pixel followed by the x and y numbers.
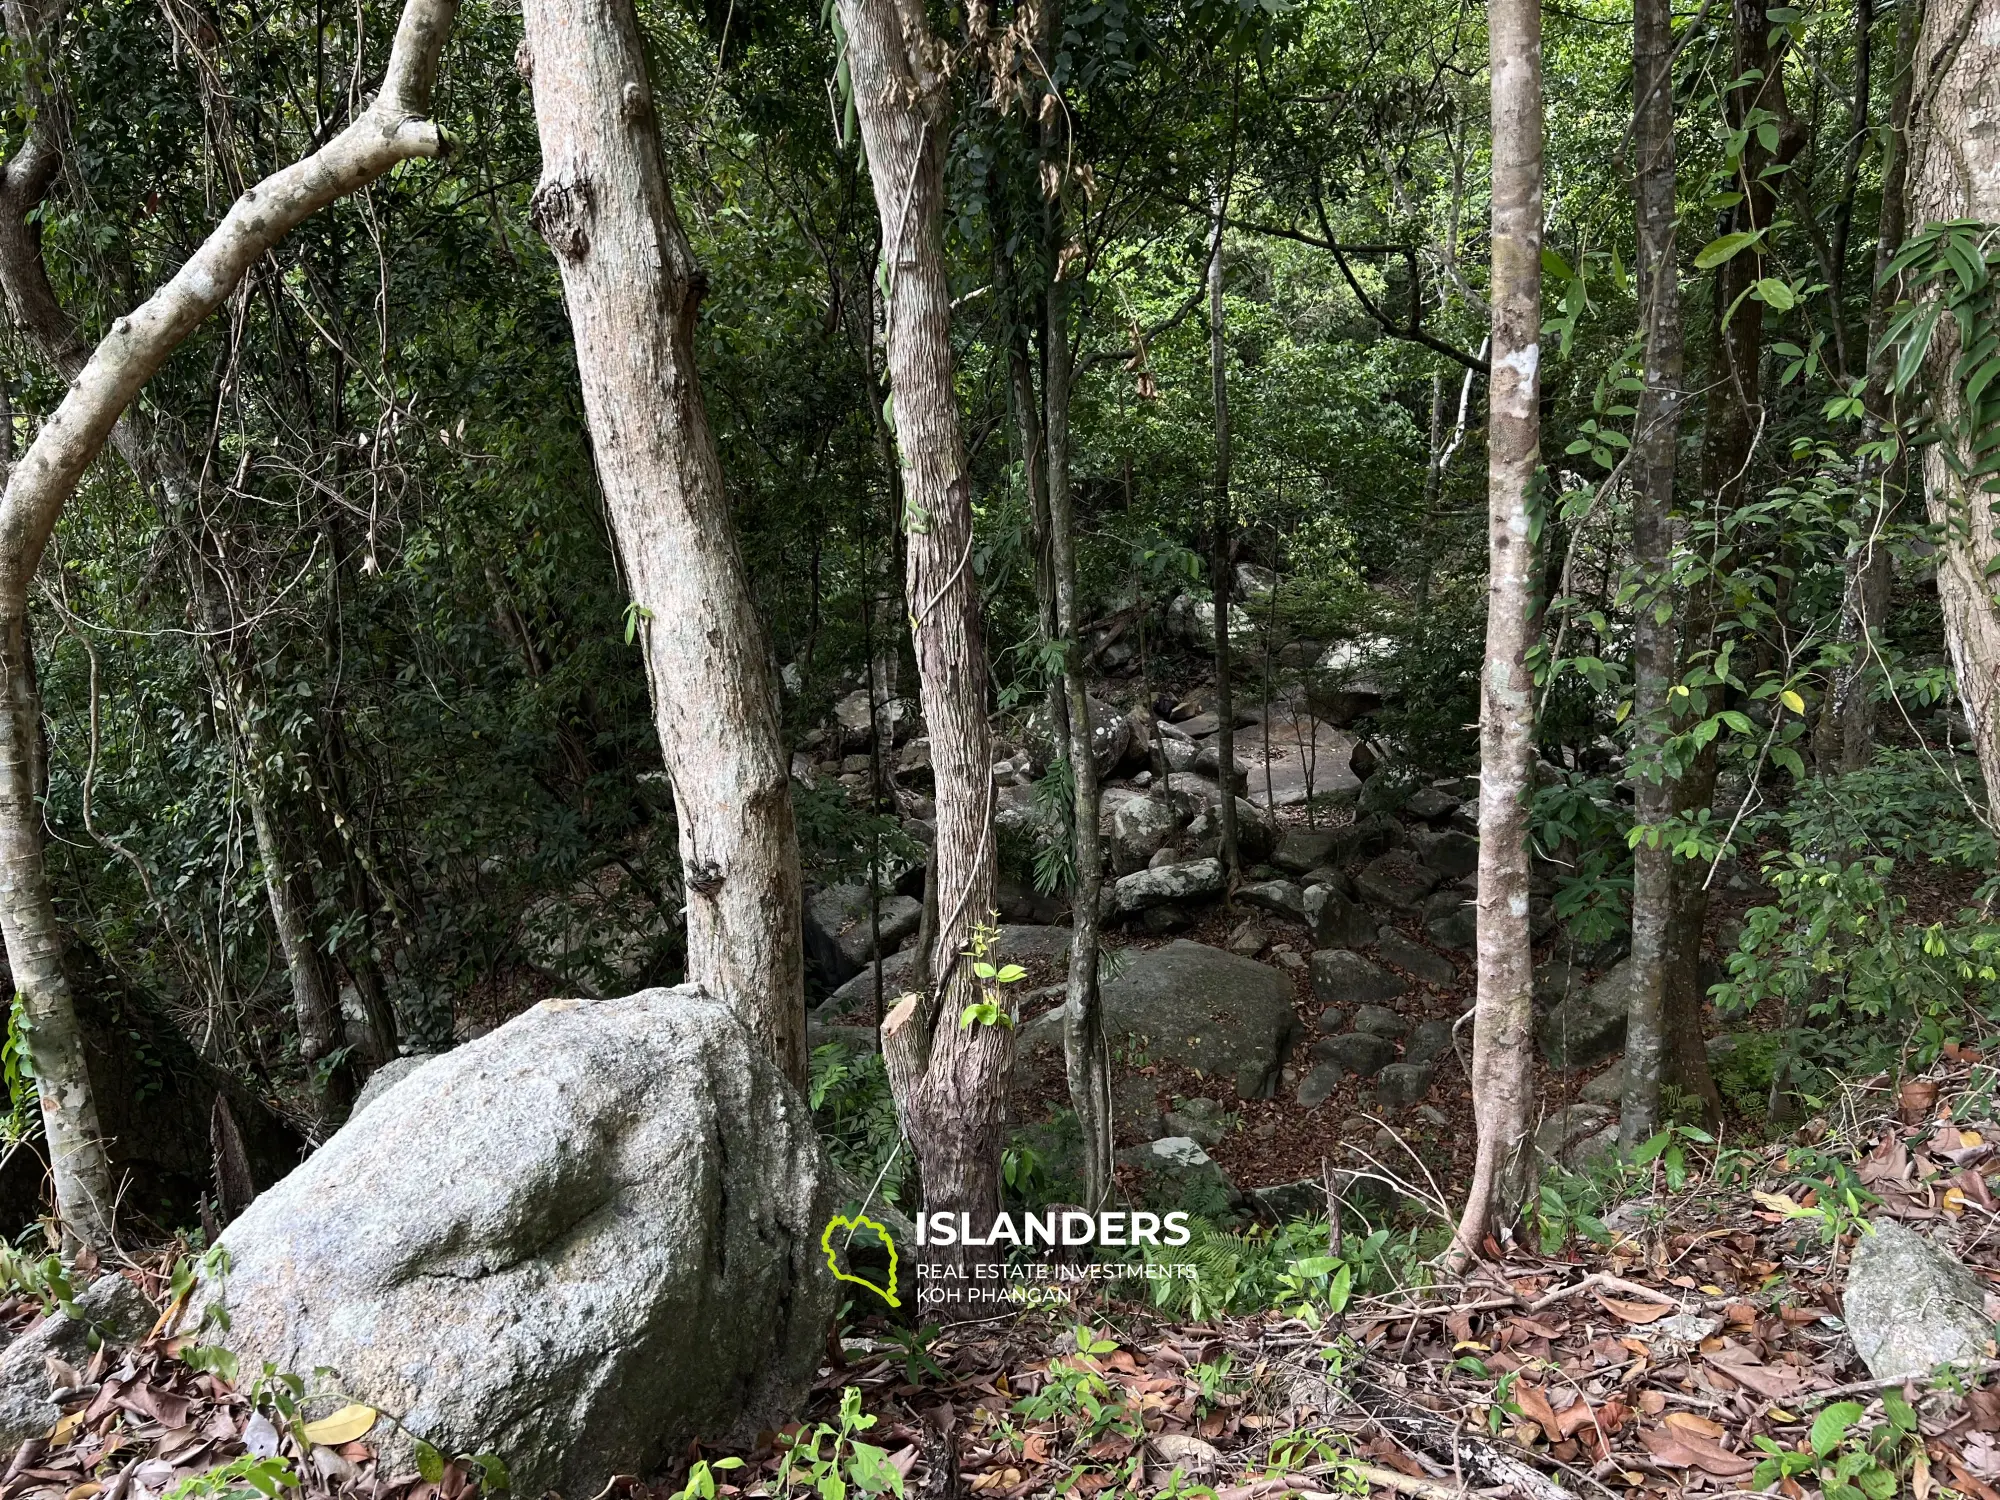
pixel 1715 252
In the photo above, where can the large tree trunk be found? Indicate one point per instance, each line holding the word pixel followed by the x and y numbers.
pixel 948 1076
pixel 607 211
pixel 1955 166
pixel 1654 449
pixel 1503 1078
pixel 1221 566
pixel 392 128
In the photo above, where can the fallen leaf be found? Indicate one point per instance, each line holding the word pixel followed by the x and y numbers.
pixel 1636 1312
pixel 1687 1421
pixel 343 1426
pixel 1684 1450
pixel 1535 1407
pixel 259 1436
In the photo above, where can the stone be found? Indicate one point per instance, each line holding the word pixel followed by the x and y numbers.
pixel 1329 875
pixel 838 936
pixel 1214 1012
pixel 1110 736
pixel 1588 1025
pixel 1175 1173
pixel 1333 1020
pixel 1336 919
pixel 1365 838
pixel 1576 1134
pixel 1429 1042
pixel 1138 828
pixel 1396 880
pixel 1358 1052
pixel 1341 977
pixel 1383 793
pixel 1018 943
pixel 1253 834
pixel 1415 958
pixel 1431 804
pixel 1430 1114
pixel 1911 1306
pixel 1163 919
pixel 1203 1121
pixel 1178 754
pixel 593 1238
pixel 1304 849
pixel 1451 920
pixel 1290 959
pixel 1379 1020
pixel 1208 761
pixel 1452 854
pixel 1607 1087
pixel 914 759
pixel 1169 884
pixel 1318 1085
pixel 1403 1084
pixel 1554 981
pixel 1281 898
pixel 112 1306
pixel 384 1078
pixel 1248 939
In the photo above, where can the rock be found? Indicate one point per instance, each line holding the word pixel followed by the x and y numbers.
pixel 1253 582
pixel 1164 919
pixel 1337 920
pixel 1341 977
pixel 914 759
pixel 1452 854
pixel 1415 958
pixel 1333 1020
pixel 1178 754
pixel 384 1078
pixel 1362 759
pixel 1554 982
pixel 1379 1020
pixel 1910 1306
pixel 1110 736
pixel 1574 1135
pixel 1248 939
pixel 606 934
pixel 1281 898
pixel 1208 761
pixel 1018 943
pixel 1357 1052
pixel 1203 1121
pixel 851 714
pixel 1138 828
pixel 838 936
pixel 1304 1199
pixel 1219 1014
pixel 1588 1025
pixel 1305 849
pixel 1253 834
pixel 1431 804
pixel 1396 880
pixel 1367 837
pixel 1384 793
pixel 1191 1457
pixel 1429 1042
pixel 1288 958
pixel 1318 1085
pixel 111 1305
pixel 1403 1084
pixel 591 1239
pixel 1176 1173
pixel 1451 919
pixel 1166 885
pixel 1607 1087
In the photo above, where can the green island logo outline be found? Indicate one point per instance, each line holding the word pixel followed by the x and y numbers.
pixel 859 1221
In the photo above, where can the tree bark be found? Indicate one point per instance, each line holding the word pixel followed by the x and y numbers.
pixel 948 1077
pixel 1654 449
pixel 392 128
pixel 1503 1079
pixel 606 209
pixel 1955 167
pixel 1220 566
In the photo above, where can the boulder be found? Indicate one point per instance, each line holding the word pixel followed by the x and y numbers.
pixel 1578 1134
pixel 1281 898
pixel 1451 919
pixel 1397 881
pixel 1019 902
pixel 1911 1306
pixel 1341 977
pixel 1431 804
pixel 1607 1087
pixel 1402 1085
pixel 1452 854
pixel 1588 1025
pixel 1429 1042
pixel 1367 837
pixel 1175 1173
pixel 1221 1015
pixel 1208 761
pixel 1253 834
pixel 839 937
pixel 1166 885
pixel 1110 736
pixel 1302 850
pixel 1358 1052
pixel 1203 1121
pixel 1018 943
pixel 1379 1020
pixel 1336 919
pixel 1318 1085
pixel 591 1238
pixel 1415 958
pixel 1138 829
pixel 111 1306
pixel 384 1078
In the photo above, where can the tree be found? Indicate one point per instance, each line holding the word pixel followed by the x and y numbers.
pixel 1653 646
pixel 947 1067
pixel 1503 1080
pixel 606 209
pixel 393 128
pixel 1221 565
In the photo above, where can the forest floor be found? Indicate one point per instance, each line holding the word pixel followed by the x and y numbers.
pixel 1701 1337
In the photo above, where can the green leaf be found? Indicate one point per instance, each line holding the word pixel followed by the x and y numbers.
pixel 430 1462
pixel 1555 265
pixel 1715 252
pixel 1832 1425
pixel 1776 294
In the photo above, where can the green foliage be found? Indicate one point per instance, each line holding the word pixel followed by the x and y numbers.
pixel 239 1479
pixel 856 1116
pixel 832 1461
pixel 1285 1267
pixel 1844 1462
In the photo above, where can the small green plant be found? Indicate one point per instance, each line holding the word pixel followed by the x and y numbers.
pixel 239 1479
pixel 1078 1399
pixel 1845 1464
pixel 24 1119
pixel 701 1478
pixel 916 1346
pixel 992 1009
pixel 832 1461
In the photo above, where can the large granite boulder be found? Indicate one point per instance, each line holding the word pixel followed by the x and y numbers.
pixel 1138 828
pixel 1588 1024
pixel 1166 885
pixel 1912 1307
pixel 578 1242
pixel 111 1307
pixel 839 937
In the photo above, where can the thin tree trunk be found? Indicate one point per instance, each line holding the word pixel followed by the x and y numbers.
pixel 391 129
pixel 1956 175
pixel 606 209
pixel 948 1076
pixel 1219 562
pixel 1503 1079
pixel 1653 651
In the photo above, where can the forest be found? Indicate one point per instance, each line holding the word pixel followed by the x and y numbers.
pixel 915 748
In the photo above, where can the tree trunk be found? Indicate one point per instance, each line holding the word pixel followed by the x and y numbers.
pixel 1956 175
pixel 391 129
pixel 1503 1079
pixel 948 1076
pixel 606 209
pixel 1220 565
pixel 1655 445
